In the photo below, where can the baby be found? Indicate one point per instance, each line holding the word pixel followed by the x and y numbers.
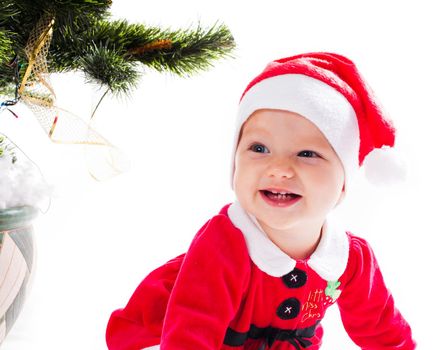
pixel 262 273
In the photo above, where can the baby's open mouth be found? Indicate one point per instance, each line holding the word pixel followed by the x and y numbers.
pixel 279 198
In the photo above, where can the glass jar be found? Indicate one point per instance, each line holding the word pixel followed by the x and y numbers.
pixel 17 253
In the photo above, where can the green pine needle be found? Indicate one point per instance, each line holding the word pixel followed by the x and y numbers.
pixel 192 50
pixel 103 66
pixel 5 46
pixel 6 71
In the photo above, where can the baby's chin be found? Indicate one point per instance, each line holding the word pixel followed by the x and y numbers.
pixel 274 218
pixel 271 223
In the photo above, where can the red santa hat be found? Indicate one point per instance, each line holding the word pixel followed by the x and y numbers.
pixel 328 90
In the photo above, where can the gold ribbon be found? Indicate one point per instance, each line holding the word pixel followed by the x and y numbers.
pixel 103 159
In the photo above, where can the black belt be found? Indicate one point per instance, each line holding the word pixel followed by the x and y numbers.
pixel 297 337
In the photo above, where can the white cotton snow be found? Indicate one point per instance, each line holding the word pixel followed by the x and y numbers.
pixel 21 183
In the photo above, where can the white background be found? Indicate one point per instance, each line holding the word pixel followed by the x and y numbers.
pixel 99 240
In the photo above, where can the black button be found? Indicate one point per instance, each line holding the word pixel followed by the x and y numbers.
pixel 288 309
pixel 295 279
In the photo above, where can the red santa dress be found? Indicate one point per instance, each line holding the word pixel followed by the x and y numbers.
pixel 234 289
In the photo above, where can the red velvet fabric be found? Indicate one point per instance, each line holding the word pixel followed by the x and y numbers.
pixel 190 302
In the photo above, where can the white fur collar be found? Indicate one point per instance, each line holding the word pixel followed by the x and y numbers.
pixel 329 259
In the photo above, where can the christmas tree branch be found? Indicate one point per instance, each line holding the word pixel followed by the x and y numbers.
pixel 189 51
pixel 114 48
pixel 108 52
pixel 103 66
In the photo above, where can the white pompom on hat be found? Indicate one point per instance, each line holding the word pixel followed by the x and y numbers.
pixel 328 90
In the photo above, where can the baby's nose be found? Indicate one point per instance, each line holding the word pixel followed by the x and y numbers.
pixel 280 168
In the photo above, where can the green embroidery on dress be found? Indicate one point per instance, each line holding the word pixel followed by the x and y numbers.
pixel 332 291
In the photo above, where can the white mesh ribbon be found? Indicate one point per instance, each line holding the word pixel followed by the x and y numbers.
pixel 103 159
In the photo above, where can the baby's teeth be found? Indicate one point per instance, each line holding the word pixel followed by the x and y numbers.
pixel 279 192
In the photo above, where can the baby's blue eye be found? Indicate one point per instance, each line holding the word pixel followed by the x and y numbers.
pixel 308 154
pixel 258 148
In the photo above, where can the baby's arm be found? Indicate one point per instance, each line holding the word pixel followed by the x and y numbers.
pixel 139 324
pixel 208 290
pixel 367 307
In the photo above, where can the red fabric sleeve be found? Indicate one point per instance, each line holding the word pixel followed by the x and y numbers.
pixel 367 308
pixel 139 324
pixel 209 288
